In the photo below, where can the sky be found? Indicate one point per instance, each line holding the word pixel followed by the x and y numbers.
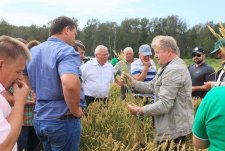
pixel 40 12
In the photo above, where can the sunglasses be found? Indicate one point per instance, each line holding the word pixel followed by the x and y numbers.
pixel 196 54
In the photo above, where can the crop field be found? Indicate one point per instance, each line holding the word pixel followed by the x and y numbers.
pixel 110 127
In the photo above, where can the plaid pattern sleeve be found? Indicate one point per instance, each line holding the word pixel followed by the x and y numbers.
pixel 28 115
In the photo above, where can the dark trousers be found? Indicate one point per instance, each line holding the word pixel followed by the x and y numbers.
pixel 90 99
pixel 176 141
pixel 28 140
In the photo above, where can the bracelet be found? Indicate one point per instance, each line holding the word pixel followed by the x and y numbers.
pixel 138 112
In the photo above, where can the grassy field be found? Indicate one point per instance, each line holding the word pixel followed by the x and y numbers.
pixel 110 127
pixel 216 63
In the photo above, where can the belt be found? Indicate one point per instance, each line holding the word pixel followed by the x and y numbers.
pixel 69 116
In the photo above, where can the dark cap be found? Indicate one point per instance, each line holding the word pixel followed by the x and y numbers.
pixel 220 43
pixel 198 50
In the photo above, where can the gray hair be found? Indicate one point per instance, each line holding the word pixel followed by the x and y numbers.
pixel 126 49
pixel 165 42
pixel 12 48
pixel 99 47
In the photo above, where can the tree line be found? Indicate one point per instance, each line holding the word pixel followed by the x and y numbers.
pixel 131 32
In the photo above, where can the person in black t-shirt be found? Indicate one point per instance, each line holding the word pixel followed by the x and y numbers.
pixel 200 72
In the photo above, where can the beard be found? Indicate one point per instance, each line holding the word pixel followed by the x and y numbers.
pixel 198 61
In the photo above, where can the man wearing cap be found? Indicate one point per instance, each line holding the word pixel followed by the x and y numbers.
pixel 200 72
pixel 144 68
pixel 219 50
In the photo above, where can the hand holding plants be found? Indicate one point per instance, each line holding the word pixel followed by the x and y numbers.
pixel 127 79
pixel 135 109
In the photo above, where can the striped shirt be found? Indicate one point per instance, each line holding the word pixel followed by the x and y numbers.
pixel 137 67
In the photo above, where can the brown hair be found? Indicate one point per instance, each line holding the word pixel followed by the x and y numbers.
pixel 32 43
pixel 58 24
pixel 78 43
pixel 12 48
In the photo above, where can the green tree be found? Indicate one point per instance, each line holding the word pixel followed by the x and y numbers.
pixel 90 35
pixel 129 34
pixel 172 26
pixel 5 27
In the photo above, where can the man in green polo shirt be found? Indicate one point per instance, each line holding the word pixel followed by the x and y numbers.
pixel 209 129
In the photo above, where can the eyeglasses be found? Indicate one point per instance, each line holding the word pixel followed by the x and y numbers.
pixel 196 54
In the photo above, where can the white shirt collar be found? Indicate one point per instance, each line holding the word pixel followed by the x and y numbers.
pixel 1 88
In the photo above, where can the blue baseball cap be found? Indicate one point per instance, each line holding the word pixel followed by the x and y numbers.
pixel 145 50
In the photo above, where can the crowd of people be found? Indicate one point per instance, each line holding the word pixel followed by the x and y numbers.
pixel 45 87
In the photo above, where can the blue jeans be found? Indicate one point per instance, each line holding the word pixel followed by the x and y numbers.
pixel 59 135
pixel 28 140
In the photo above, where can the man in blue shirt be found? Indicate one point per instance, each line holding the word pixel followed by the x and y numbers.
pixel 55 77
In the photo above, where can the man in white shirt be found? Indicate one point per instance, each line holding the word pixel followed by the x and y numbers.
pixel 97 75
pixel 13 56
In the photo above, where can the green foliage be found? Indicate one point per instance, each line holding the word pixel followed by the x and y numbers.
pixel 114 92
pixel 216 63
pixel 131 32
pixel 28 33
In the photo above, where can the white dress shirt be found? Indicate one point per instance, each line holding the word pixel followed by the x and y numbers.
pixel 96 78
